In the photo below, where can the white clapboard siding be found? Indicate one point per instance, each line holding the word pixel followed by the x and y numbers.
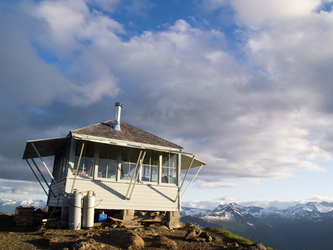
pixel 111 195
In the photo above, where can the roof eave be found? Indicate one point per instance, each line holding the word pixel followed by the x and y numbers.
pixel 124 143
pixel 46 147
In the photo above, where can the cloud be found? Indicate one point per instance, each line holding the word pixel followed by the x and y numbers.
pixel 19 187
pixel 279 204
pixel 203 204
pixel 319 198
pixel 283 126
pixel 260 13
pixel 227 198
pixel 79 35
pixel 264 114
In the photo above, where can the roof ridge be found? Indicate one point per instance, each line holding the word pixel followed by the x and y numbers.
pixel 110 122
pixel 89 126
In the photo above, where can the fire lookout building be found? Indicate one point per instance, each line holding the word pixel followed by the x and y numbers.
pixel 128 169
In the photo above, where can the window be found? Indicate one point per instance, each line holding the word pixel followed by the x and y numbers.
pixel 150 167
pixel 129 158
pixel 86 168
pixel 107 163
pixel 60 163
pixel 169 168
pixel 127 170
pixel 56 166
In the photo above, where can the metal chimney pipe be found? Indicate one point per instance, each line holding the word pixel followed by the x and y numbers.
pixel 116 123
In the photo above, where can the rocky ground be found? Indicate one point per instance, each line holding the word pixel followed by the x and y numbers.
pixel 110 237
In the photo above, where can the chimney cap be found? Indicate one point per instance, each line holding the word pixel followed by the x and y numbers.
pixel 118 104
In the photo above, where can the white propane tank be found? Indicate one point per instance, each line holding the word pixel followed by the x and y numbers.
pixel 75 205
pixel 88 210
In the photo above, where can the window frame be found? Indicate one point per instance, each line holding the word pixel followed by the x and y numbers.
pixel 175 169
pixel 126 157
pixel 77 149
pixel 98 160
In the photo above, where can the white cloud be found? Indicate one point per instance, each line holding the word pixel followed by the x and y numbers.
pixel 19 187
pixel 77 34
pixel 63 18
pixel 279 204
pixel 319 198
pixel 203 204
pixel 265 116
pixel 260 13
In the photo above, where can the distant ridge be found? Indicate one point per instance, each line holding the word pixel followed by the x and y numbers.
pixel 301 225
pixel 9 206
pixel 312 211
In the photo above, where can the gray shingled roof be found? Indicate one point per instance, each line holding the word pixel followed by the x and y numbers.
pixel 128 133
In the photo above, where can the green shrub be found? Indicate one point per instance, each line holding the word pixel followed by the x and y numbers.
pixel 233 237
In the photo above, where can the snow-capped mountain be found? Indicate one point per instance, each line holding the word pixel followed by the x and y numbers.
pixel 9 206
pixel 312 211
pixel 198 212
pixel 291 228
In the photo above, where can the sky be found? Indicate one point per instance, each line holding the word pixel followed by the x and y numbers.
pixel 247 85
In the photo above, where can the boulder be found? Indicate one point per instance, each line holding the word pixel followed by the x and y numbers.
pixel 191 226
pixel 192 233
pixel 206 236
pixel 86 245
pixel 166 242
pixel 256 246
pixel 135 242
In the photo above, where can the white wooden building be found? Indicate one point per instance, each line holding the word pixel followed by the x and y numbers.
pixel 128 168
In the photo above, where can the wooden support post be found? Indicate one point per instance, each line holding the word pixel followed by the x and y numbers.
pixel 192 180
pixel 188 170
pixel 173 220
pixel 137 174
pixel 36 177
pixel 43 177
pixel 78 164
pixel 40 157
pixel 136 166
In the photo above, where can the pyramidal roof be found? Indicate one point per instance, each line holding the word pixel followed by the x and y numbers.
pixel 128 133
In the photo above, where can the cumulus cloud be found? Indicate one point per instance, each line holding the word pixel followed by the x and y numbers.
pixel 319 198
pixel 261 13
pixel 204 204
pixel 19 187
pixel 265 114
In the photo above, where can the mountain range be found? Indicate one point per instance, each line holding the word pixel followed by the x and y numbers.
pixel 9 206
pixel 302 226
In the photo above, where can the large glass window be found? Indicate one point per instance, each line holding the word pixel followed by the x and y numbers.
pixel 107 163
pixel 56 166
pixel 169 168
pixel 60 163
pixel 129 158
pixel 150 167
pixel 86 168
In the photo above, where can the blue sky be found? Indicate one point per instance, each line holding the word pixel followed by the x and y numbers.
pixel 245 84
